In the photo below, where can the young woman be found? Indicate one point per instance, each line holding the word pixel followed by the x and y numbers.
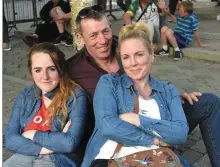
pixel 160 121
pixel 48 118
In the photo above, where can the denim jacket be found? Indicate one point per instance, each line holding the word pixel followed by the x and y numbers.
pixel 113 97
pixel 25 107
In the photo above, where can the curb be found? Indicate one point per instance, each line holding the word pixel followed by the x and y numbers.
pixel 197 53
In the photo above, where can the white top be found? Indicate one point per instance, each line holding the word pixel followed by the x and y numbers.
pixel 147 108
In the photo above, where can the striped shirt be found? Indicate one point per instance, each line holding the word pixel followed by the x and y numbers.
pixel 186 26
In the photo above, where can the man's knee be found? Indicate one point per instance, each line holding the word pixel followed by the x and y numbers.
pixel 169 32
pixel 209 98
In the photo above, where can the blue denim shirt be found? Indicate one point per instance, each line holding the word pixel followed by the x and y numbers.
pixel 113 97
pixel 25 107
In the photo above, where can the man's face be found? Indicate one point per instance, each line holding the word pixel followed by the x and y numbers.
pixel 97 37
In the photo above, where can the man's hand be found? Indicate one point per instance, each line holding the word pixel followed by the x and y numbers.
pixel 190 97
pixel 161 4
pixel 29 134
pixel 131 118
pixel 166 10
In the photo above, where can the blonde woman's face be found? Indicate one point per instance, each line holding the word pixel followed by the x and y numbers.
pixel 136 59
pixel 44 72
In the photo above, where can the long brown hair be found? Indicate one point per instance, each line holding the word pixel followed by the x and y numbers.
pixel 66 85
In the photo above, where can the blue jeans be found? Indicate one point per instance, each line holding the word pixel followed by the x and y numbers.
pixel 206 113
pixel 19 160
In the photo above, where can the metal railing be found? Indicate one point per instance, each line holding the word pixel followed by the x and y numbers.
pixel 21 11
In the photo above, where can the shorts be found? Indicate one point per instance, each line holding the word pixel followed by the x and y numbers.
pixel 182 42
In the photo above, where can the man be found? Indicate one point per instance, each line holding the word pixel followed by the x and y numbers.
pixel 98 57
pixel 148 11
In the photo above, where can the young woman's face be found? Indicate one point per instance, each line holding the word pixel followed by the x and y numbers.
pixel 136 59
pixel 44 72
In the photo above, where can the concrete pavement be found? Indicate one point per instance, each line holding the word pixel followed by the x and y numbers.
pixel 187 75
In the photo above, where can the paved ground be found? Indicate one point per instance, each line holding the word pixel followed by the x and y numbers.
pixel 187 74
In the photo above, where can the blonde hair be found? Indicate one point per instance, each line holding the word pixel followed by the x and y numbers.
pixel 66 85
pixel 138 30
pixel 187 6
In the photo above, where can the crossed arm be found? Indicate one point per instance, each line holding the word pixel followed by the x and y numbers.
pixel 133 129
pixel 37 142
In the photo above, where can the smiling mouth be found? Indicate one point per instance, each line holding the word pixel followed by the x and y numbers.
pixel 46 82
pixel 104 48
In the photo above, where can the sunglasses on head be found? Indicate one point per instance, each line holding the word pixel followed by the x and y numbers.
pixel 85 11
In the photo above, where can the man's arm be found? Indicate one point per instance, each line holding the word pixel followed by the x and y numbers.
pixel 127 18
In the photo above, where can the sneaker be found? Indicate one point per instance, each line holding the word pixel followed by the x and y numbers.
pixel 59 40
pixel 7 47
pixel 178 55
pixel 162 52
pixel 69 41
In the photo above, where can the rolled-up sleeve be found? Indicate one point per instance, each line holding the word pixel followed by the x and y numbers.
pixel 14 140
pixel 172 131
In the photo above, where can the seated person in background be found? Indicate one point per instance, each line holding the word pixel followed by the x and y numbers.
pixel 56 15
pixel 160 121
pixel 145 11
pixel 48 118
pixel 98 57
pixel 186 28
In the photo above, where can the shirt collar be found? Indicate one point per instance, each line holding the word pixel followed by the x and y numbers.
pixel 155 84
pixel 49 95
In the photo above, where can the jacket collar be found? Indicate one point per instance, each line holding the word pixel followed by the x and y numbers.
pixel 155 84
pixel 49 95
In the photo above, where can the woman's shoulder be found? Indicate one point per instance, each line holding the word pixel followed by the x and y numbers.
pixel 27 91
pixel 110 78
pixel 168 87
pixel 79 91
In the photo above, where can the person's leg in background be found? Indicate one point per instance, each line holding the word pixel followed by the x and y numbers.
pixel 206 114
pixel 124 6
pixel 164 19
pixel 60 25
pixel 172 6
pixel 6 46
pixel 151 28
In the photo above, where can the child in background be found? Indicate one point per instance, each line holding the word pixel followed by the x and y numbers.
pixel 186 28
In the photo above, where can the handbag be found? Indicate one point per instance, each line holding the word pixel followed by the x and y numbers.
pixel 161 157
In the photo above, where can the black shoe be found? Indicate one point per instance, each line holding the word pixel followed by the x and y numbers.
pixel 162 52
pixel 69 41
pixel 31 40
pixel 59 40
pixel 178 55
